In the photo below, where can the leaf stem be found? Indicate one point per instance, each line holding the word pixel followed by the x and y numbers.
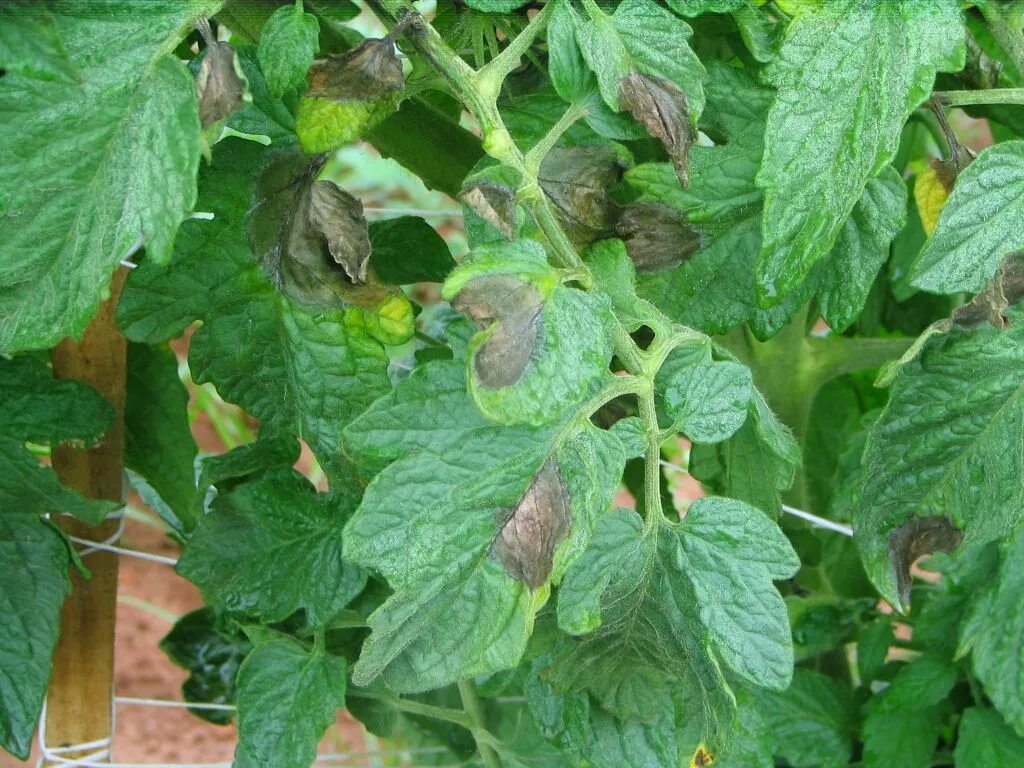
pixel 446 714
pixel 475 711
pixel 490 77
pixel 834 356
pixel 540 150
pixel 986 96
pixel 653 512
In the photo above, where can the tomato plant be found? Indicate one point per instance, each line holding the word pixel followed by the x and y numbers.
pixel 748 237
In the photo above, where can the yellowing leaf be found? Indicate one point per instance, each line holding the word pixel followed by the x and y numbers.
pixel 930 195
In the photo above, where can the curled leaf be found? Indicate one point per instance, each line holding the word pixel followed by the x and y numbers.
pixel 367 72
pixel 576 180
pixel 510 308
pixel 657 236
pixel 662 109
pixel 532 531
pixel 917 537
pixel 494 203
pixel 221 86
pixel 338 217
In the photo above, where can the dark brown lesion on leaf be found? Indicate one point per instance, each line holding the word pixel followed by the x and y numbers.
pixel 531 532
pixel 991 303
pixel 661 107
pixel 364 73
pixel 494 203
pixel 221 87
pixel 510 308
pixel 657 236
pixel 915 538
pixel 576 181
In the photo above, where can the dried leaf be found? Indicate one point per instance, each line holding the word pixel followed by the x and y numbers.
pixel 494 203
pixel 991 303
pixel 662 109
pixel 220 84
pixel 576 180
pixel 657 236
pixel 917 537
pixel 338 217
pixel 368 71
pixel 531 532
pixel 511 308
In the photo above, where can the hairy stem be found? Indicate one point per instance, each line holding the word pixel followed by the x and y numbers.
pixel 448 715
pixel 834 356
pixel 475 711
pixel 493 75
pixel 653 513
pixel 989 96
pixel 540 150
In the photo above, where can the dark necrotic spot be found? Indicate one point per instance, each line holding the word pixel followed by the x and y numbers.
pixel 917 537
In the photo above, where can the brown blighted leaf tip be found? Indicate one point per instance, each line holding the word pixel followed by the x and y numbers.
pixel 369 70
pixel 338 217
pixel 531 532
pixel 991 303
pixel 494 203
pixel 510 308
pixel 661 107
pixel 220 86
pixel 915 538
pixel 657 236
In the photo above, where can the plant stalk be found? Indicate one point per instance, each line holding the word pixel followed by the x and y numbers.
pixel 989 96
pixel 474 709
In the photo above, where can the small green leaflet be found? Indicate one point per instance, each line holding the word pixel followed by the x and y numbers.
pixel 33 557
pixel 287 696
pixel 299 369
pixel 158 441
pixel 640 36
pixel 995 620
pixel 903 737
pixel 75 202
pixel 980 224
pixel 288 45
pixel 848 74
pixel 467 526
pixel 937 460
pixel 543 348
pixel 983 738
pixel 408 250
pixel 272 546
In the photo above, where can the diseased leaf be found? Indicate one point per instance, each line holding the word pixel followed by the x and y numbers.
pixel 576 181
pixel 300 370
pixel 979 226
pixel 937 461
pixel 220 83
pixel 543 348
pixel 339 218
pixel 75 202
pixel 272 546
pixel 660 107
pixel 848 75
pixel 456 610
pixel 494 203
pixel 288 45
pixel 287 696
pixel 656 236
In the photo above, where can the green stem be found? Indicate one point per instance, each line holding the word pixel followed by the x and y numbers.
pixel 653 512
pixel 429 340
pixel 446 714
pixel 491 76
pixel 989 96
pixel 540 150
pixel 475 711
pixel 834 356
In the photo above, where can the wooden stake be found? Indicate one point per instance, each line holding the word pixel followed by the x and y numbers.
pixel 78 703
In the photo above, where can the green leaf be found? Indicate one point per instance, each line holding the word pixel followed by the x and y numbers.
pixel 212 656
pixel 903 737
pixel 708 400
pixel 504 510
pixel 936 459
pixel 848 75
pixel 33 582
pixel 287 696
pixel 30 44
pixel 755 465
pixel 265 115
pixel 496 6
pixel 697 7
pixel 272 546
pixel 158 441
pixel 980 224
pixel 872 649
pixel 983 738
pixel 810 723
pixel 288 45
pixel 640 36
pixel 94 168
pixel 299 369
pixel 672 604
pixel 408 250
pixel 994 620
pixel 925 681
pixel 543 348
pixel 275 452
